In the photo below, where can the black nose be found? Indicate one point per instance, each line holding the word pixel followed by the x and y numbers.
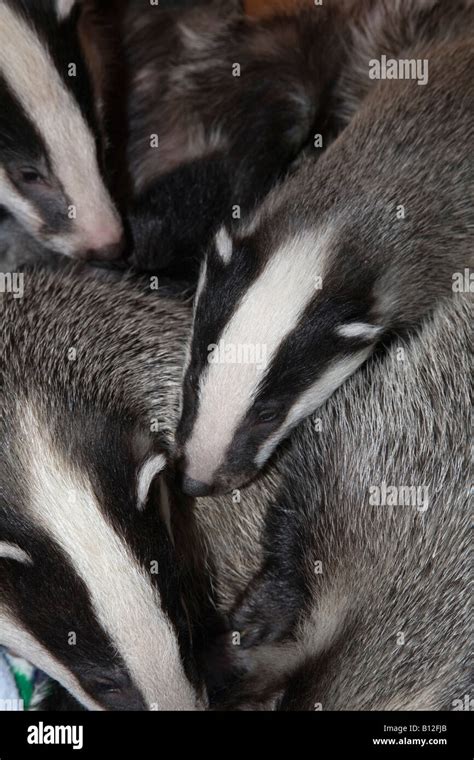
pixel 195 487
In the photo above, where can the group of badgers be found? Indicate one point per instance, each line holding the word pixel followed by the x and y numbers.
pixel 256 498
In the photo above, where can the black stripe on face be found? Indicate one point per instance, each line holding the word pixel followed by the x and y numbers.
pixel 309 350
pixel 223 290
pixel 105 448
pixel 51 602
pixel 302 358
pixel 19 139
pixel 21 149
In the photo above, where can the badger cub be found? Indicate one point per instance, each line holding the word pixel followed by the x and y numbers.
pixel 89 586
pixel 354 246
pixel 51 179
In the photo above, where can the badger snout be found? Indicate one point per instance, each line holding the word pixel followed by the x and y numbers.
pixel 224 480
pixel 104 243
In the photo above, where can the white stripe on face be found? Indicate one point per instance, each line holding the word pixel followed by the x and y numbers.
pixel 20 641
pixel 23 210
pixel 124 599
pixel 313 397
pixel 30 72
pixel 269 310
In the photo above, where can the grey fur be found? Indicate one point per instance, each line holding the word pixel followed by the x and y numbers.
pixel 94 419
pixel 385 570
pixel 394 194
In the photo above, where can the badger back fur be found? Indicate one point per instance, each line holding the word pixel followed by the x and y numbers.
pixel 219 107
pixel 351 248
pixel 361 596
pixel 51 167
pixel 327 589
pixel 89 587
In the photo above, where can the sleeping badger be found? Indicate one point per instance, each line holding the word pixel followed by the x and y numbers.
pixel 351 249
pixel 339 577
pixel 51 170
pixel 89 589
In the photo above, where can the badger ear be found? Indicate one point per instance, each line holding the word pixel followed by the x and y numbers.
pixel 147 472
pixel 12 551
pixel 64 8
pixel 223 243
pixel 361 330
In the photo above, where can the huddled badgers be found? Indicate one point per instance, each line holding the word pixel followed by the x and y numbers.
pixel 213 108
pixel 337 577
pixel 322 591
pixel 351 249
pixel 51 160
pixel 339 596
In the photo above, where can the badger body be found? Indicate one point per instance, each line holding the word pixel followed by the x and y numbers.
pixel 89 588
pixel 219 107
pixel 351 249
pixel 344 569
pixel 51 164
pixel 338 597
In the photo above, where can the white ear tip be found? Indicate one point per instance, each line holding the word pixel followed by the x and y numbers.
pixel 64 8
pixel 12 551
pixel 224 245
pixel 146 475
pixel 359 330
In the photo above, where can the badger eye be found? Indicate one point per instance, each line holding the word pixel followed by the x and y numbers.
pixel 267 415
pixel 104 686
pixel 30 175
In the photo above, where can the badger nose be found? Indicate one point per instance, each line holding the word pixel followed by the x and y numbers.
pixel 193 487
pixel 107 252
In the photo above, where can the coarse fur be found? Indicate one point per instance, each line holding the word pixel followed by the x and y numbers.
pixel 219 108
pixel 89 589
pixel 75 431
pixel 347 251
pixel 360 603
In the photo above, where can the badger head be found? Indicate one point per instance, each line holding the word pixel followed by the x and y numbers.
pixel 282 317
pixel 89 590
pixel 50 178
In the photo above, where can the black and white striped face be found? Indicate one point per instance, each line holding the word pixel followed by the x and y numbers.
pixel 281 321
pixel 50 178
pixel 89 590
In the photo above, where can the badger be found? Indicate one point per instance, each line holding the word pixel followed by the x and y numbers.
pixel 344 569
pixel 219 107
pixel 90 591
pixel 51 162
pixel 343 255
pixel 132 596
